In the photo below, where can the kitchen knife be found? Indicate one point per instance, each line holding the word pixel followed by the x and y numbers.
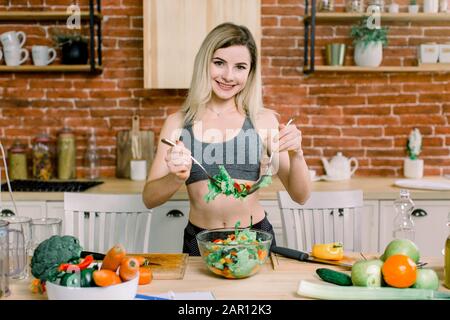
pixel 291 253
pixel 101 256
pixel 305 257
pixel 96 255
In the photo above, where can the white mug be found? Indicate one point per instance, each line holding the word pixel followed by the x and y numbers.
pixel 394 8
pixel 429 53
pixel 15 56
pixel 43 55
pixel 138 170
pixel 444 53
pixel 11 39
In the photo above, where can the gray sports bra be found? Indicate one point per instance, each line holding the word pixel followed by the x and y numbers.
pixel 240 156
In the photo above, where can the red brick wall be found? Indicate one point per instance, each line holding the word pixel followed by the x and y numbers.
pixel 364 115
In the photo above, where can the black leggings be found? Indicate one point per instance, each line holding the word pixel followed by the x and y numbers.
pixel 190 242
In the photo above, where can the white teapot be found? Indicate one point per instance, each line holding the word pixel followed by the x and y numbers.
pixel 339 167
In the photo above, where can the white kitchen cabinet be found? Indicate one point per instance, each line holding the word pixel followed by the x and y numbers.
pixel 55 209
pixel 167 226
pixel 369 226
pixel 431 230
pixel 175 29
pixel 32 209
pixel 274 216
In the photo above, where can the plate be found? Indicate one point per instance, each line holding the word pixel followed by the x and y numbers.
pixel 423 184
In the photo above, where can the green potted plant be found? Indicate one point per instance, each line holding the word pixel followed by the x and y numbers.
pixel 413 166
pixel 368 40
pixel 74 47
pixel 413 7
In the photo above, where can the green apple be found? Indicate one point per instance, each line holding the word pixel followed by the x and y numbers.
pixel 402 246
pixel 367 273
pixel 426 279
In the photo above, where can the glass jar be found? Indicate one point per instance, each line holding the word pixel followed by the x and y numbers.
pixel 18 161
pixel 91 158
pixel 66 153
pixel 43 158
pixel 354 6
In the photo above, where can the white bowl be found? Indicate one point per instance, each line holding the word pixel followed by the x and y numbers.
pixel 123 291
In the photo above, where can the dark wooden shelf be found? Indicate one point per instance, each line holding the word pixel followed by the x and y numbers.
pixel 42 15
pixel 438 67
pixel 51 68
pixel 393 17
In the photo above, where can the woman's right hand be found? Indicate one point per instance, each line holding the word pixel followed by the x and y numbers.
pixel 179 161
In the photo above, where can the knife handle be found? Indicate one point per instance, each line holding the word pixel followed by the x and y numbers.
pixel 291 253
pixel 97 255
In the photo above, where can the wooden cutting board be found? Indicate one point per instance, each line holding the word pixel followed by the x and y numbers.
pixel 171 265
pixel 123 148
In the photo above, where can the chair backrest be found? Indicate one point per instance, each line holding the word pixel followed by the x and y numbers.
pixel 100 221
pixel 325 217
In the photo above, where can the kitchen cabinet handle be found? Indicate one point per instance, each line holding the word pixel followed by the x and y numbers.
pixel 175 213
pixel 419 213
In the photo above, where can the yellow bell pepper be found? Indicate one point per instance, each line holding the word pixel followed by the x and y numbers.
pixel 328 251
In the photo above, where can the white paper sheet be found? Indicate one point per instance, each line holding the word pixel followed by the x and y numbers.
pixel 195 295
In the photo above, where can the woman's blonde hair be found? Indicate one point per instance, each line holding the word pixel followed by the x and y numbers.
pixel 249 99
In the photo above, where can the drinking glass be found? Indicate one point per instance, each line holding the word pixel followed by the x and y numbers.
pixel 44 228
pixel 18 261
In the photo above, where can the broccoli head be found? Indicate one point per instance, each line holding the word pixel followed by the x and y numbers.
pixel 51 253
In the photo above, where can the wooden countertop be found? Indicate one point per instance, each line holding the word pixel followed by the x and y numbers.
pixel 374 188
pixel 278 281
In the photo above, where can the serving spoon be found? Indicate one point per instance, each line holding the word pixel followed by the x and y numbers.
pixel 173 144
pixel 257 184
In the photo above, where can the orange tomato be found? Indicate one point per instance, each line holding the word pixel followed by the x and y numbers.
pixel 104 278
pixel 399 271
pixel 145 275
pixel 128 269
pixel 262 254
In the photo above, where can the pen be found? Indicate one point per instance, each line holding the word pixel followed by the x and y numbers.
pixel 145 297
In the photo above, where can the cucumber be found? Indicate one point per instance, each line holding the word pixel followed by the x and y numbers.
pixel 333 276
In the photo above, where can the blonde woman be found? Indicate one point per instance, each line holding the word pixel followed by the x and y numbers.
pixel 223 122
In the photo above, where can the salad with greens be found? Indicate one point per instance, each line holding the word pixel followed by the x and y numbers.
pixel 227 186
pixel 239 255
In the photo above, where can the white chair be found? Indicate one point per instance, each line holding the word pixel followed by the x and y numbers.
pixel 100 221
pixel 325 217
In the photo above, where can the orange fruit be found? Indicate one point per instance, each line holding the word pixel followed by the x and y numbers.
pixel 399 271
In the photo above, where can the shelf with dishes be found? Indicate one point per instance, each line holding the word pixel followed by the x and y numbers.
pixel 78 52
pixel 368 54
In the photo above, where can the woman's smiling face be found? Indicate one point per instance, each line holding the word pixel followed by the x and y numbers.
pixel 229 71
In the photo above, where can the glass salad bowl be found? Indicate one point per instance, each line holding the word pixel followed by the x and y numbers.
pixel 234 253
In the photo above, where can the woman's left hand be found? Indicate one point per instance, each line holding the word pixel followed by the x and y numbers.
pixel 289 139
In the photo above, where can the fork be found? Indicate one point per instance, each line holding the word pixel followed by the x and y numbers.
pixel 173 144
pixel 257 184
